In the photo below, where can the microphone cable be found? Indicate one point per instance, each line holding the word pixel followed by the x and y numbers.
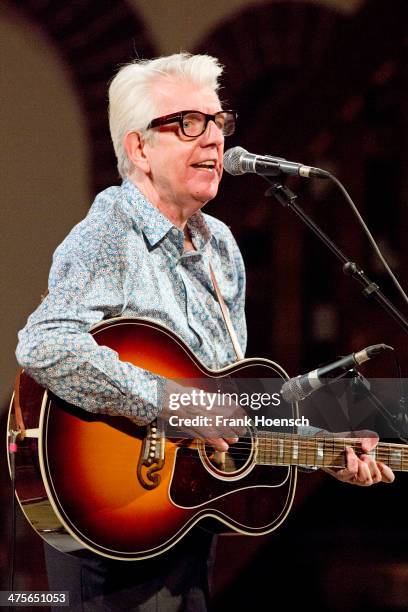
pixel 373 243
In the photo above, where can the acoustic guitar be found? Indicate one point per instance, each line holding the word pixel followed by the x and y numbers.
pixel 99 482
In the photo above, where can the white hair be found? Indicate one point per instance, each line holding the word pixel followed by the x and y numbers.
pixel 131 105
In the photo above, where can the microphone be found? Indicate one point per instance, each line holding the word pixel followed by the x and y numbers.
pixel 298 388
pixel 238 161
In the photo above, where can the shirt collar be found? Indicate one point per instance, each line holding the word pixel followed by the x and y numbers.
pixel 155 225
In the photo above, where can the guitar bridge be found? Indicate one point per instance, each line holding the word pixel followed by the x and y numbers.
pixel 152 456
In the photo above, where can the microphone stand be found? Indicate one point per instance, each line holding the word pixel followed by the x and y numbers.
pixel 362 386
pixel 286 197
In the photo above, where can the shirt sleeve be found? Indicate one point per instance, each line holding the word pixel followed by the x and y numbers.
pixel 57 350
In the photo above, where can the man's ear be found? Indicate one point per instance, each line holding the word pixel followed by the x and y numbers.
pixel 134 146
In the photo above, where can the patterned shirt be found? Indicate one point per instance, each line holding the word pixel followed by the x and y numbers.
pixel 126 259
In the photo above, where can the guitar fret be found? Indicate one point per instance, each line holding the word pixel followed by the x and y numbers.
pixel 281 450
pixel 288 447
pixel 395 457
pixel 320 453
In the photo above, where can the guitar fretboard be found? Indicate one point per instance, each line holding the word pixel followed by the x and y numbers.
pixel 292 449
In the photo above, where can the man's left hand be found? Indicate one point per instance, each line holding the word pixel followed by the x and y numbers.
pixel 362 470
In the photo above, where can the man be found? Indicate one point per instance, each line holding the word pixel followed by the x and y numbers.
pixel 145 250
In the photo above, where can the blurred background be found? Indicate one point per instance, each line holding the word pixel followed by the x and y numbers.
pixel 324 82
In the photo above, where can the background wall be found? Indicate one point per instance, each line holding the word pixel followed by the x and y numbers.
pixel 324 82
pixel 45 170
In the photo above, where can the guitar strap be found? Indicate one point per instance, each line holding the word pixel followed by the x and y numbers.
pixel 226 317
pixel 17 407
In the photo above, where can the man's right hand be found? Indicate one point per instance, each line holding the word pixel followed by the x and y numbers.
pixel 218 436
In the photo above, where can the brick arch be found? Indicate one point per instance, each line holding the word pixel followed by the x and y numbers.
pixel 93 37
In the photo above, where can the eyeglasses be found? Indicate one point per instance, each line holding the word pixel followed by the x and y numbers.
pixel 193 123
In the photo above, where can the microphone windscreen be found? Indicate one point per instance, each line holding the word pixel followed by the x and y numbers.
pixel 232 160
pixel 293 390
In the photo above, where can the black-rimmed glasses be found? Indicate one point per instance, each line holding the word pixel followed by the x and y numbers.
pixel 194 123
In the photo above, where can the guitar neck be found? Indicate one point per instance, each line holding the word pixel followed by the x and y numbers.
pixel 291 449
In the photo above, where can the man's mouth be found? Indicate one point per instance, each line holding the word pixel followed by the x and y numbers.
pixel 208 164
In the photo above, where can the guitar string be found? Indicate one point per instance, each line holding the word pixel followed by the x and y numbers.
pixel 269 447
pixel 307 460
pixel 275 459
pixel 326 442
pixel 341 443
pixel 304 450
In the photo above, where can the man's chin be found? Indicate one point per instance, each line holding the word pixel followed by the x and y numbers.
pixel 204 198
pixel 206 194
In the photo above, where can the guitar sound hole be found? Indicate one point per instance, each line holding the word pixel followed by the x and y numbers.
pixel 233 462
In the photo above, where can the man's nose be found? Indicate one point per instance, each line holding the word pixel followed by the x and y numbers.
pixel 213 134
